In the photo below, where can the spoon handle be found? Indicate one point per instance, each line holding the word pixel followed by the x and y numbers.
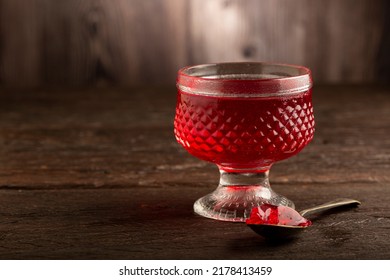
pixel 329 205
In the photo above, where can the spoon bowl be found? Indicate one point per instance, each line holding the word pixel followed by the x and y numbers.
pixel 277 222
pixel 277 231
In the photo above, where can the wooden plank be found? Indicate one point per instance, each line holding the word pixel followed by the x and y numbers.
pixel 79 43
pixel 158 223
pixel 20 44
pixel 345 53
pixel 157 38
pixel 320 35
pixel 383 66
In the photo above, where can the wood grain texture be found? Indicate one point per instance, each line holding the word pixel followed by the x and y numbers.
pixel 338 40
pixel 94 42
pixel 97 174
pixel 20 44
pixel 383 59
pixel 79 43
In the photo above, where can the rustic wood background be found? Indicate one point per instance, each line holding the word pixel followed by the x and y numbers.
pixel 131 42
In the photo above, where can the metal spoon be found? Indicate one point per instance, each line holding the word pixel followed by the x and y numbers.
pixel 294 226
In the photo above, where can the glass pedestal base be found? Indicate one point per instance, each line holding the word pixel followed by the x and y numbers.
pixel 236 196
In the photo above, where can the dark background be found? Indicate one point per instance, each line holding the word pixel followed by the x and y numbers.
pixel 131 42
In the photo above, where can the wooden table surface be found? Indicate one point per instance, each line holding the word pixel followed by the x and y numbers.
pixel 97 174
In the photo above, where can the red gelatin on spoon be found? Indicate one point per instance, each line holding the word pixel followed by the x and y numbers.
pixel 268 214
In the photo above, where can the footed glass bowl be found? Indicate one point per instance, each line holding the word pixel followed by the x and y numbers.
pixel 243 117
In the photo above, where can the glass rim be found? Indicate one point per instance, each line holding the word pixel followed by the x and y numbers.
pixel 288 80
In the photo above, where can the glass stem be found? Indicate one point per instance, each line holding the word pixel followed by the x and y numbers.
pixel 230 179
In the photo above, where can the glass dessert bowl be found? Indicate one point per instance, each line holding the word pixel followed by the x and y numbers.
pixel 243 117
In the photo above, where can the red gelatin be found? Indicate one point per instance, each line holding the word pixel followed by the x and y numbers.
pixel 276 215
pixel 244 133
